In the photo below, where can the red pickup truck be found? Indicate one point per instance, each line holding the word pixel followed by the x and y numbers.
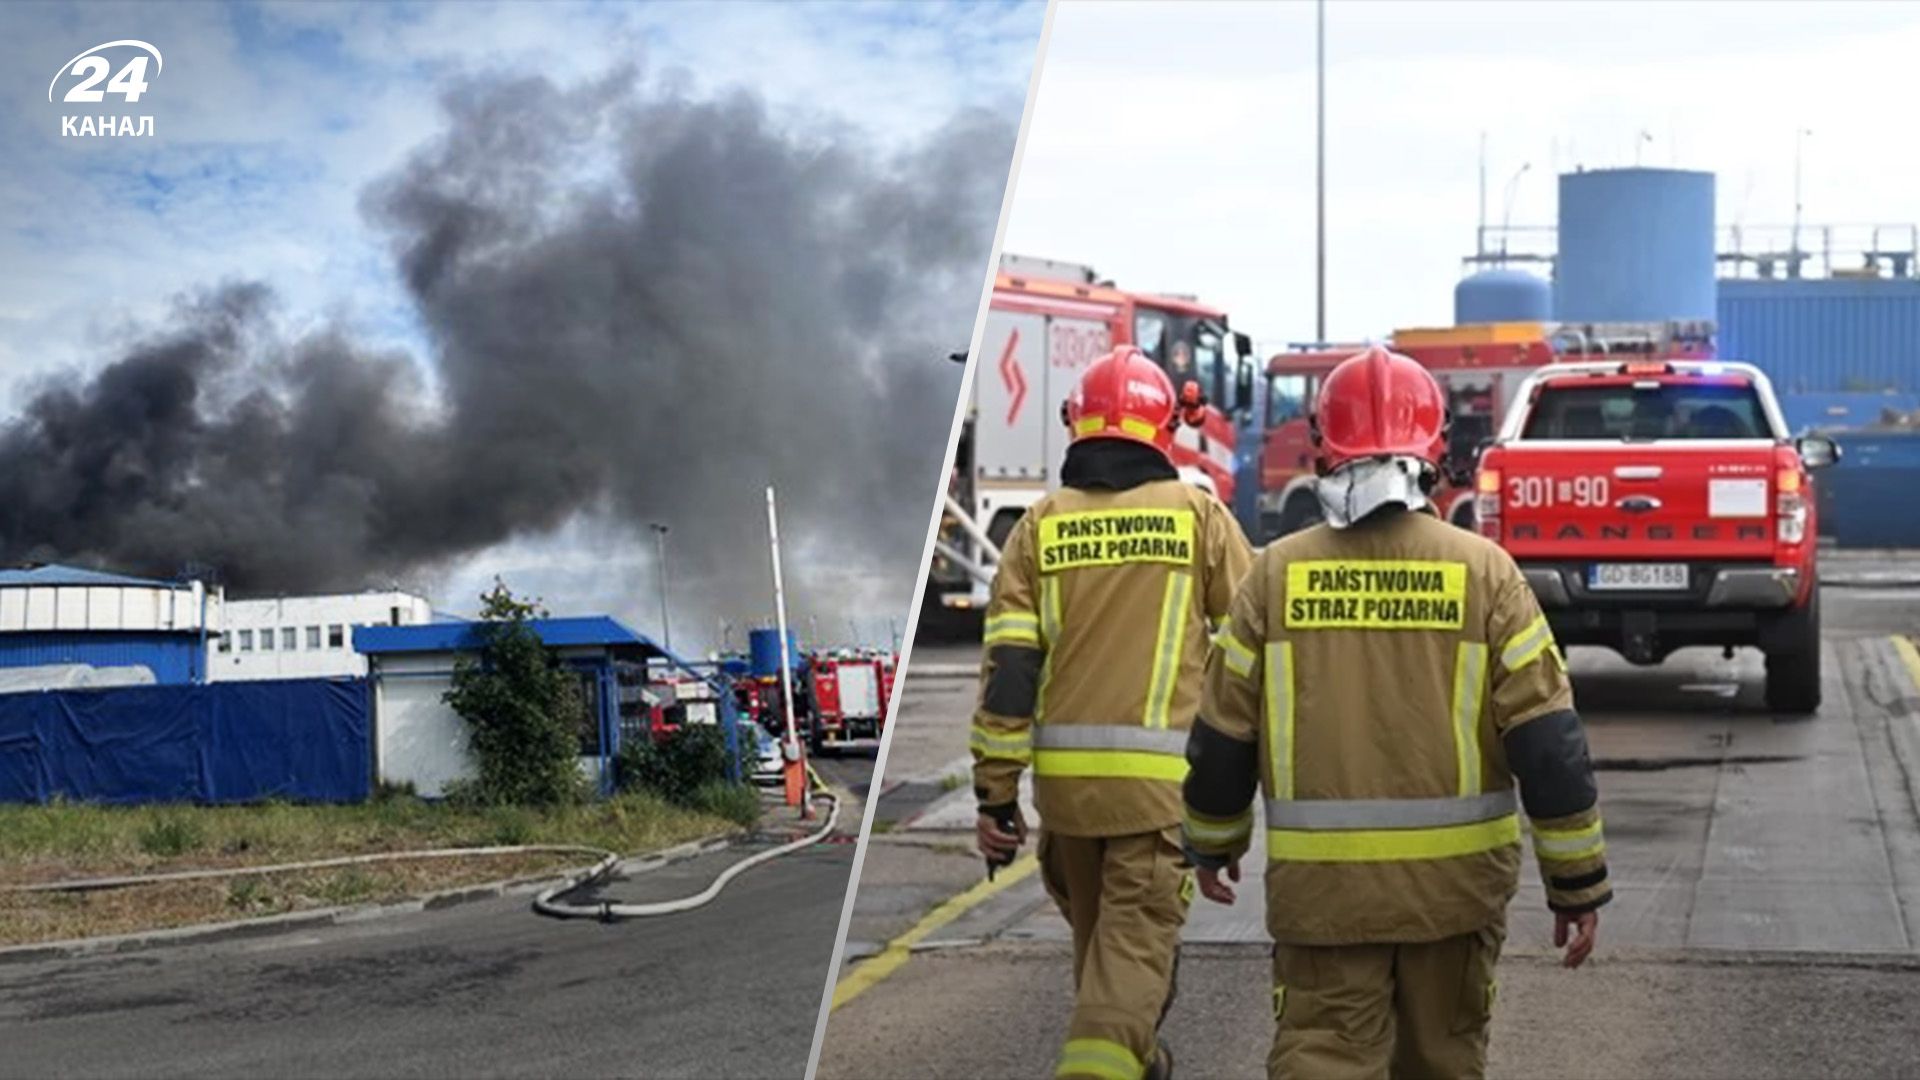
pixel 1655 505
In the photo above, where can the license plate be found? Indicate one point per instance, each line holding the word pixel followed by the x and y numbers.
pixel 1637 576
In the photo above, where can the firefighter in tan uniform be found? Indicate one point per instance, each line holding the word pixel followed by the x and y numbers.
pixel 1385 679
pixel 1096 638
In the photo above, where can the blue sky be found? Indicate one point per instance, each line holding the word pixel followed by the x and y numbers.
pixel 272 119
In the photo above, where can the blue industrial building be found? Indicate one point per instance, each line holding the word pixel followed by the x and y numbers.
pixel 1856 334
pixel 65 618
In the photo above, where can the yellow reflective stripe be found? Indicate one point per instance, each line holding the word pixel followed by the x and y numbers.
pixel 1218 832
pixel 1139 429
pixel 1110 764
pixel 1049 639
pixel 1167 649
pixel 1280 716
pixel 1526 646
pixel 1239 659
pixel 1003 745
pixel 1569 845
pixel 1469 687
pixel 1103 1058
pixel 1087 425
pixel 1016 627
pixel 1392 845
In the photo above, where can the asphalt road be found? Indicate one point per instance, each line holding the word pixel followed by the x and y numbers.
pixel 487 989
pixel 1767 876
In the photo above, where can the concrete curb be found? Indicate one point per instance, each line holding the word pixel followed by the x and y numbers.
pixel 270 925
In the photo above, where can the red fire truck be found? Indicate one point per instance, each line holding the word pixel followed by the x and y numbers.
pixel 850 691
pixel 1047 321
pixel 1479 367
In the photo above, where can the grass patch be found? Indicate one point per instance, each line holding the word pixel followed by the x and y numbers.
pixel 65 841
pixel 954 781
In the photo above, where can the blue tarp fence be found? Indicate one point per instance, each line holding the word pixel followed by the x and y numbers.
pixel 300 739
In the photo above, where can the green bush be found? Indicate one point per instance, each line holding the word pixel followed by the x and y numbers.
pixel 522 708
pixel 738 803
pixel 170 835
pixel 688 769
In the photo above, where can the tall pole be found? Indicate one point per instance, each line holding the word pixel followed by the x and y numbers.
pixel 666 625
pixel 1320 175
pixel 1799 138
pixel 1480 234
pixel 796 765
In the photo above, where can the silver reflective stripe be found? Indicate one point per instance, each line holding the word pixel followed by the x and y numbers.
pixel 1469 682
pixel 1387 813
pixel 1524 646
pixel 1109 737
pixel 1280 715
pixel 1168 649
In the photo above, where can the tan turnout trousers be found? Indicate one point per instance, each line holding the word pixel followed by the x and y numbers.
pixel 1365 1012
pixel 1126 898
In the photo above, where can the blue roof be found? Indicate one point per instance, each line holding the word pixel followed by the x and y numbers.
pixel 465 636
pixel 55 574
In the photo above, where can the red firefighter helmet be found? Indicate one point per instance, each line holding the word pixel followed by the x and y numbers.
pixel 1123 395
pixel 1376 404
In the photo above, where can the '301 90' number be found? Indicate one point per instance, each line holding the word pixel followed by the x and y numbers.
pixel 1524 492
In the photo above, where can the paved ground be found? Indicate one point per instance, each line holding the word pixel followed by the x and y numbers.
pixel 1767 870
pixel 482 990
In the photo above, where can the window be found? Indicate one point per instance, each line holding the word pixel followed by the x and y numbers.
pixel 1150 334
pixel 336 636
pixel 1665 411
pixel 396 617
pixel 313 637
pixel 587 719
pixel 226 643
pixel 289 638
pixel 1288 397
pixel 246 641
pixel 1208 368
pixel 266 640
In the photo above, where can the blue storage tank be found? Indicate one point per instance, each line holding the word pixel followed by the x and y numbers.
pixel 1493 296
pixel 1819 334
pixel 1867 499
pixel 764 646
pixel 1636 245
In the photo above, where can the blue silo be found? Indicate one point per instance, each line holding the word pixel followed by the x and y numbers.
pixel 1501 295
pixel 764 648
pixel 1636 245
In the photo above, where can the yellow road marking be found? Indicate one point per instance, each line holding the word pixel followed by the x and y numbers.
pixel 888 960
pixel 1908 655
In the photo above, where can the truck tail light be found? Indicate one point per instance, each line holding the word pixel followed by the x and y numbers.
pixel 1486 503
pixel 1790 507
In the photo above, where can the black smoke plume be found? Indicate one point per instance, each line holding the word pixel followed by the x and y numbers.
pixel 641 307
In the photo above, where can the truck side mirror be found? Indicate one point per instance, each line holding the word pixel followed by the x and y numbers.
pixel 1817 451
pixel 1243 386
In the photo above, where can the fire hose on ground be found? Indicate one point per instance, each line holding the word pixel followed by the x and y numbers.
pixel 544 902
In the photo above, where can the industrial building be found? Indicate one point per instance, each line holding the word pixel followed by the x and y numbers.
pixel 419 740
pixel 306 637
pixel 1830 313
pixel 70 626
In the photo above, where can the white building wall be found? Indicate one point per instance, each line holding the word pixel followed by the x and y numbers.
pixel 319 629
pixel 418 739
pixel 108 607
